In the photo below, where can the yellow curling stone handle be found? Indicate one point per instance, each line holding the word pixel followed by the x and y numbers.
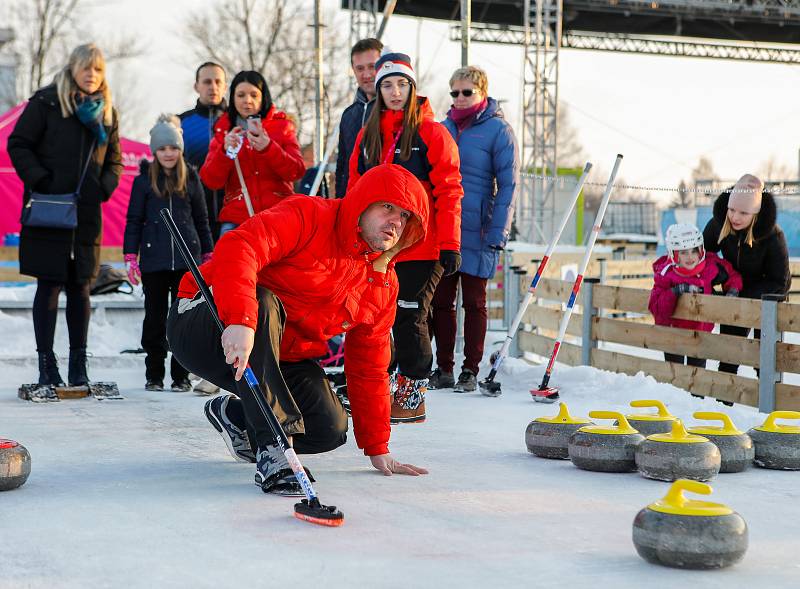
pixel 770 426
pixel 562 417
pixel 662 409
pixel 675 503
pixel 678 435
pixel 727 428
pixel 622 427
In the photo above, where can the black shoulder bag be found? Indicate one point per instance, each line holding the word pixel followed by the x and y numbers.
pixel 57 211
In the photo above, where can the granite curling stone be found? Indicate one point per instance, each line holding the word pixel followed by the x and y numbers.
pixel 648 424
pixel 605 449
pixel 548 437
pixel 687 534
pixel 678 455
pixel 735 447
pixel 15 464
pixel 777 445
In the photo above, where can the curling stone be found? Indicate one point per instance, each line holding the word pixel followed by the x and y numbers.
pixel 777 446
pixel 688 534
pixel 548 437
pixel 677 455
pixel 15 464
pixel 648 424
pixel 605 449
pixel 735 447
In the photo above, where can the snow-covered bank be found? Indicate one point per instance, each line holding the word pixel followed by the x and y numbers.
pixel 142 493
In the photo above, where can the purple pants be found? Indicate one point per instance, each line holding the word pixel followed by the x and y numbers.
pixel 444 320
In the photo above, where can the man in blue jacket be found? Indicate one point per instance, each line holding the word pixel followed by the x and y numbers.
pixel 198 127
pixel 490 177
pixel 363 56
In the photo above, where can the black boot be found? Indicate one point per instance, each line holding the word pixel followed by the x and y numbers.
pixel 48 369
pixel 77 367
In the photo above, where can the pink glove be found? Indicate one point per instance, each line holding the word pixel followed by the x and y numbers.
pixel 132 267
pixel 206 257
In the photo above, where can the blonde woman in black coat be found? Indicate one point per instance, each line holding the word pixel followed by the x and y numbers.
pixel 63 126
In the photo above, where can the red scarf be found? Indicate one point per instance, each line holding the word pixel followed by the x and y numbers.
pixel 464 117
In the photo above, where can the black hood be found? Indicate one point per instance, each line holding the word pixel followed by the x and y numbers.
pixel 767 216
pixel 144 166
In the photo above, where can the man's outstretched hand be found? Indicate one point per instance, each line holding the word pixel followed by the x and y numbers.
pixel 237 343
pixel 389 466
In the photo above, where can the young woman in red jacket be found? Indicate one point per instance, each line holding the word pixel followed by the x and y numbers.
pixel 262 140
pixel 401 130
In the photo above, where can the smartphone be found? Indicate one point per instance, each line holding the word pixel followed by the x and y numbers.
pixel 254 125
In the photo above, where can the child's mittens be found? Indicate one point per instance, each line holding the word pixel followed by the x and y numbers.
pixel 683 288
pixel 132 268
pixel 206 257
pixel 732 292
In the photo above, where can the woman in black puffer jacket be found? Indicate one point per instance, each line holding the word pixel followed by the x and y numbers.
pixel 65 125
pixel 150 255
pixel 744 230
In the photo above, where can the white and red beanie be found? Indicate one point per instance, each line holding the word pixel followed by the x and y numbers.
pixel 394 64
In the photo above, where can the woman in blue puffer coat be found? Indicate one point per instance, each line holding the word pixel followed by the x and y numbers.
pixel 490 177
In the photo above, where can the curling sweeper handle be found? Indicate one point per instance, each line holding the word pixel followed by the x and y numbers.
pixel 310 509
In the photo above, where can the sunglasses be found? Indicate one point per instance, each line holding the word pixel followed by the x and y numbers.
pixel 467 93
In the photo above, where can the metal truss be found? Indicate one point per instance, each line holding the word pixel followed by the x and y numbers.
pixel 483 33
pixel 363 19
pixel 765 11
pixel 536 212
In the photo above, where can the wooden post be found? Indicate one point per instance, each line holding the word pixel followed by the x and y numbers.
pixel 589 311
pixel 770 336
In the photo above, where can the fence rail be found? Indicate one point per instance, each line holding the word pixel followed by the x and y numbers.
pixel 619 315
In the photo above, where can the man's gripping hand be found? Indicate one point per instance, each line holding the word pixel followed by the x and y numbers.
pixel 237 343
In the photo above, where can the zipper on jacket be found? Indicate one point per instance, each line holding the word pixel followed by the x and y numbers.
pixel 171 242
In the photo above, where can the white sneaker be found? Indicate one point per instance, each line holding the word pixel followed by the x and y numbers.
pixel 206 388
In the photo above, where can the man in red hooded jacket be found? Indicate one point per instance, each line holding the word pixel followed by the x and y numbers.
pixel 285 282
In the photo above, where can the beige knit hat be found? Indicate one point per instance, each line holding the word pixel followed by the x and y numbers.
pixel 746 195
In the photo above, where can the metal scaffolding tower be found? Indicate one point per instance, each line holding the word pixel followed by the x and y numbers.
pixel 536 209
pixel 363 19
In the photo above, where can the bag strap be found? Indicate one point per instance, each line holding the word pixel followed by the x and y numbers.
pixel 85 168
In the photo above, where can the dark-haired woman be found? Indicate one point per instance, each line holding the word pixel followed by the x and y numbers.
pixel 401 130
pixel 266 149
pixel 166 183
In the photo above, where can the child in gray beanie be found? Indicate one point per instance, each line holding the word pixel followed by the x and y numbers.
pixel 167 182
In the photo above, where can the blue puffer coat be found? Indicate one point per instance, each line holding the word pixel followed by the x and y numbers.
pixel 145 232
pixel 490 177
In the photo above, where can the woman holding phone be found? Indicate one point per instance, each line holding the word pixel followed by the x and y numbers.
pixel 254 154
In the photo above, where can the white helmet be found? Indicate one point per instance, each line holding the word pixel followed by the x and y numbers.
pixel 683 236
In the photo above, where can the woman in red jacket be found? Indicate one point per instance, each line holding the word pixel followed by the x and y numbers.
pixel 262 140
pixel 401 130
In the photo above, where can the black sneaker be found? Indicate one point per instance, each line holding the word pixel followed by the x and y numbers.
pixel 273 474
pixel 154 385
pixel 441 380
pixel 467 382
pixel 181 386
pixel 235 439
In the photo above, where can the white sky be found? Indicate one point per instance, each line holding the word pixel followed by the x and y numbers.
pixel 662 113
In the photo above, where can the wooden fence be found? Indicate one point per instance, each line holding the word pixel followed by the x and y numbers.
pixel 619 315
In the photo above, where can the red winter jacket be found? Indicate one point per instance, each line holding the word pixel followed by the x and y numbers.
pixel 269 174
pixel 662 303
pixel 439 173
pixel 308 252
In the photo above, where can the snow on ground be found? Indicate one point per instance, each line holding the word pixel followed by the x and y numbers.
pixel 142 493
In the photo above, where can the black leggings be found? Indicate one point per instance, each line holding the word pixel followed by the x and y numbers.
pixel 45 312
pixel 306 406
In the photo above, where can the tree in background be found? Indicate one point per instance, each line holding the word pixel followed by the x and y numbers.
pixel 275 37
pixel 46 31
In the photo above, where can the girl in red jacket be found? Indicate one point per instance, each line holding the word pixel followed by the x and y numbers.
pixel 401 130
pixel 262 140
pixel 687 268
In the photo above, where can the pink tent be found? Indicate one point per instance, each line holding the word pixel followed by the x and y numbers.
pixel 113 211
